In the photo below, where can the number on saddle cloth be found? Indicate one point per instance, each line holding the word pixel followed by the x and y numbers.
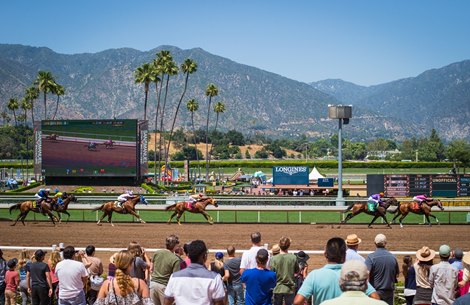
pixel 371 205
pixel 189 205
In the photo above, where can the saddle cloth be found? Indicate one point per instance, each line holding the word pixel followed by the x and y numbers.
pixel 189 205
pixel 415 206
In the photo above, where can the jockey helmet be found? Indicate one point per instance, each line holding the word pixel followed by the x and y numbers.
pixel 200 195
pixel 381 194
pixel 130 192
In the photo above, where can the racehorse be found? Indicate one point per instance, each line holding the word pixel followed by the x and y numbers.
pixel 405 207
pixel 27 206
pixel 92 146
pixel 109 144
pixel 52 136
pixel 199 207
pixel 361 207
pixel 128 207
pixel 62 208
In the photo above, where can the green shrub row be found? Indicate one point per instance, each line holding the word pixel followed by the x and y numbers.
pixel 25 188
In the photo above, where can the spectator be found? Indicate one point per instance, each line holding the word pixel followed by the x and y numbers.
pixel 275 249
pixel 3 270
pixel 179 254
pixel 383 270
pixel 422 267
pixel 195 284
pixel 95 269
pixel 38 279
pixel 457 263
pixel 72 277
pixel 123 289
pixel 466 274
pixel 352 242
pixel 285 266
pixel 165 263
pixel 353 283
pixel 323 284
pixel 232 277
pixel 217 265
pixel 54 259
pixel 12 281
pixel 185 250
pixel 249 257
pixel 141 264
pixel 112 266
pixel 259 281
pixel 302 259
pixel 23 265
pixel 409 274
pixel 443 279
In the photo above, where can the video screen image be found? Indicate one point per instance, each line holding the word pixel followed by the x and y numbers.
pixel 89 148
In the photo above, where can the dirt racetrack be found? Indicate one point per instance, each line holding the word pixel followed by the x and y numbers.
pixel 219 236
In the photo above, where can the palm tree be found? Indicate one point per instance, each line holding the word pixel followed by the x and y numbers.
pixel 192 107
pixel 155 72
pixel 31 94
pixel 143 75
pixel 211 91
pixel 170 69
pixel 45 83
pixel 13 106
pixel 188 67
pixel 5 118
pixel 26 105
pixel 219 108
pixel 58 90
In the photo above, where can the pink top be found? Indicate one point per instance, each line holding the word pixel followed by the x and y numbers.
pixel 12 280
pixel 54 278
pixel 422 197
pixel 187 261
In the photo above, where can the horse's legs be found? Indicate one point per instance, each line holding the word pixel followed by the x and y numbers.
pixel 208 217
pixel 178 218
pixel 68 216
pixel 137 216
pixel 110 218
pixel 401 219
pixel 171 217
pixel 427 219
pixel 348 217
pixel 373 219
pixel 51 216
pixel 435 218
pixel 18 218
pixel 101 218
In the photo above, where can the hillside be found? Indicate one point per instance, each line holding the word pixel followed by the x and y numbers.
pixel 101 85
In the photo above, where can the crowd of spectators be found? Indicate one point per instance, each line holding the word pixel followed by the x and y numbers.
pixel 182 274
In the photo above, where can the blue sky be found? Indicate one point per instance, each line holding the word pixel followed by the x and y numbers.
pixel 366 42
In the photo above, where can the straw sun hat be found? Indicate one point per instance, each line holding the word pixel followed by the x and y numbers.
pixel 425 254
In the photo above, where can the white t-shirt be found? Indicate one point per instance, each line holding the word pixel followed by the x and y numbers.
pixel 249 258
pixel 70 273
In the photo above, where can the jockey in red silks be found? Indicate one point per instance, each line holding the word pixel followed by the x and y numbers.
pixel 421 198
pixel 195 198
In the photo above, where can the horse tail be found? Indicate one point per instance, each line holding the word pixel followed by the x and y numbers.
pixel 98 208
pixel 15 207
pixel 170 207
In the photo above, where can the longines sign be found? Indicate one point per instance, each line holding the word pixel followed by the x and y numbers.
pixel 290 175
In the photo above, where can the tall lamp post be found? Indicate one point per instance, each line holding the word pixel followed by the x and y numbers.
pixel 342 114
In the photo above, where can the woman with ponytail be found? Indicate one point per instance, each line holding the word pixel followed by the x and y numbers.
pixel 123 289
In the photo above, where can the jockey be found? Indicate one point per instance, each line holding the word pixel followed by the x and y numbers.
pixel 124 197
pixel 375 200
pixel 42 194
pixel 60 196
pixel 420 199
pixel 195 198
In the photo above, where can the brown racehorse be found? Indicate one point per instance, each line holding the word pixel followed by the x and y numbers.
pixel 405 207
pixel 199 207
pixel 128 207
pixel 62 208
pixel 27 206
pixel 361 207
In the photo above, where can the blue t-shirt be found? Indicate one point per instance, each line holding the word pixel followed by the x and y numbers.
pixel 259 286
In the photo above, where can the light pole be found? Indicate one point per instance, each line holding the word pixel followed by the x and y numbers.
pixel 343 114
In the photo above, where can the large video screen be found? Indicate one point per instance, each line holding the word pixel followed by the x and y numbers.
pixel 90 148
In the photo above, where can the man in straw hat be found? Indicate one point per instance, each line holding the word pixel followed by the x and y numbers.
pixel 383 268
pixel 443 279
pixel 352 242
pixel 353 283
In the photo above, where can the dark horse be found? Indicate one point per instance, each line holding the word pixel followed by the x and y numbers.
pixel 27 206
pixel 199 207
pixel 361 207
pixel 109 144
pixel 128 207
pixel 62 208
pixel 405 207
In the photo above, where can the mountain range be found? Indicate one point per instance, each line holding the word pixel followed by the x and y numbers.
pixel 101 85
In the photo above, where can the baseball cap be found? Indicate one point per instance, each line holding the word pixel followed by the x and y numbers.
pixel 39 254
pixel 444 251
pixel 12 263
pixel 354 270
pixel 380 240
pixel 458 253
pixel 219 255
